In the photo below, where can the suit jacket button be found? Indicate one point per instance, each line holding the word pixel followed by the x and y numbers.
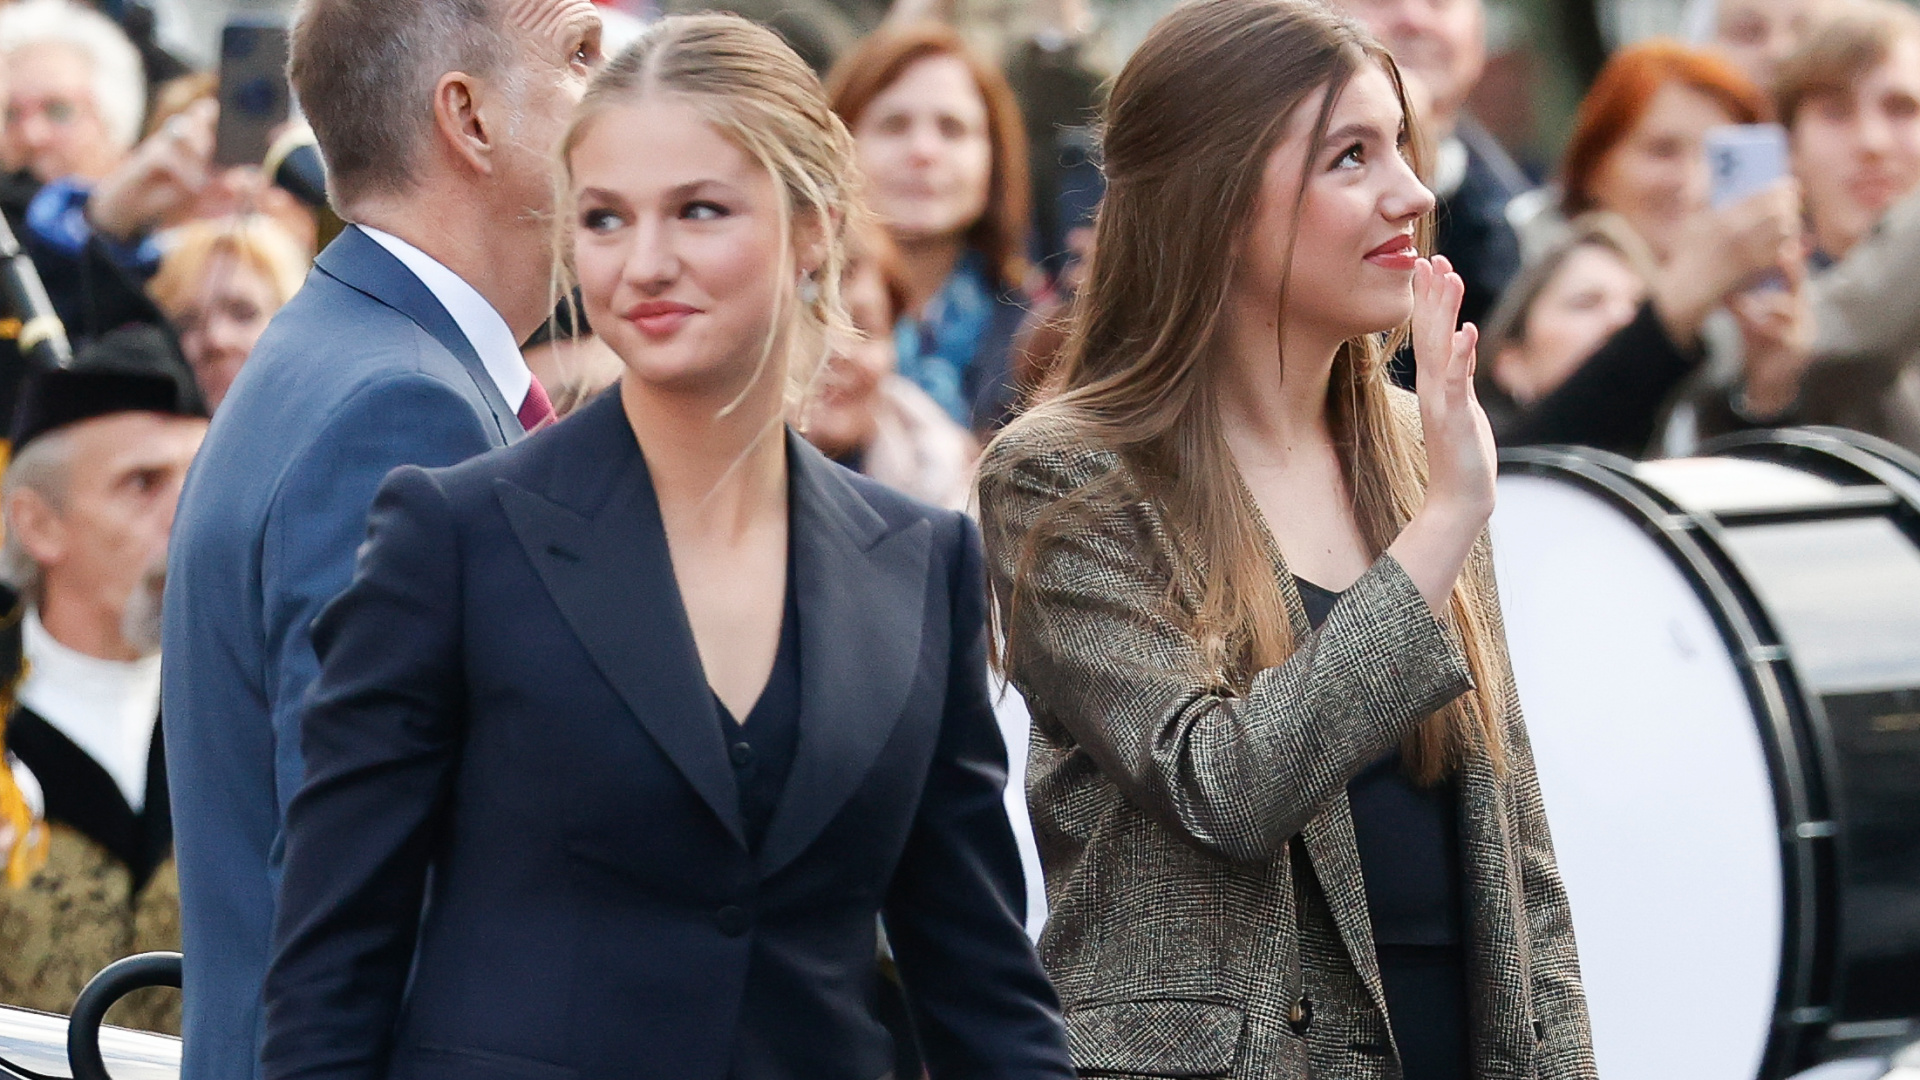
pixel 1300 1018
pixel 741 753
pixel 731 920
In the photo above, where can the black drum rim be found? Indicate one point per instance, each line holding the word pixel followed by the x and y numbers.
pixel 1780 704
pixel 1858 456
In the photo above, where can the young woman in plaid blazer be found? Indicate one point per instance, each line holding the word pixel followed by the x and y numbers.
pixel 1280 777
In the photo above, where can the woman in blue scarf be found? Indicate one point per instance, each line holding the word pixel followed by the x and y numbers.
pixel 941 146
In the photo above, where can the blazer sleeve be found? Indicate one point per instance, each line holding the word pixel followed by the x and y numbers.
pixel 1093 646
pixel 319 518
pixel 1559 1000
pixel 981 1004
pixel 381 737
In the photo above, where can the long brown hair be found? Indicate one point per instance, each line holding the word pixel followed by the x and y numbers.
pixel 879 61
pixel 1189 125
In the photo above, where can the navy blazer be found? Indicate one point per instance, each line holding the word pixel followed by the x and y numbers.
pixel 511 734
pixel 360 372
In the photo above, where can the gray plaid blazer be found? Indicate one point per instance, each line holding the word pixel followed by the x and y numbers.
pixel 1208 917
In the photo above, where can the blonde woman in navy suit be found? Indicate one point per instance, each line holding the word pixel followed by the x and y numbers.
pixel 671 707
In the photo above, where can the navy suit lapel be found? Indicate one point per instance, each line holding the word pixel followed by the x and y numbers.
pixel 612 578
pixel 358 261
pixel 862 594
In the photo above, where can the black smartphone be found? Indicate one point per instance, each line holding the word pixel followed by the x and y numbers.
pixel 254 97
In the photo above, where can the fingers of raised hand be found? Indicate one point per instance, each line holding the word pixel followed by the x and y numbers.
pixel 1421 328
pixel 1437 292
pixel 1466 349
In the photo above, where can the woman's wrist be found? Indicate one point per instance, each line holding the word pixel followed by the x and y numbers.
pixel 1434 546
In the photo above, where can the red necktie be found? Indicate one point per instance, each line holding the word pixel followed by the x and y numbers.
pixel 536 411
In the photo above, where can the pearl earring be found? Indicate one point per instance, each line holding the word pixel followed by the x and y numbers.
pixel 808 289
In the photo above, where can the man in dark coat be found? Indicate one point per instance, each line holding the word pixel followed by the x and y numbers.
pixel 100 450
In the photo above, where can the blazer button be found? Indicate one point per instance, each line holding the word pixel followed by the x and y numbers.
pixel 731 920
pixel 1300 1018
pixel 741 753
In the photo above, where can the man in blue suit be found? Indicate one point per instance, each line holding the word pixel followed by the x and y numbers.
pixel 437 119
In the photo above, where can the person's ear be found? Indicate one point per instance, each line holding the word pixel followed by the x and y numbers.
pixel 812 239
pixel 41 531
pixel 464 128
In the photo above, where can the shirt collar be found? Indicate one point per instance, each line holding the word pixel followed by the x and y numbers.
pixel 1452 160
pixel 485 330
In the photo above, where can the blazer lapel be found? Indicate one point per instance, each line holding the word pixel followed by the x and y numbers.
pixel 358 261
pixel 612 578
pixel 1329 837
pixel 861 592
pixel 1336 862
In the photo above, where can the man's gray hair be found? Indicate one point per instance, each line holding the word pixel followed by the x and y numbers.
pixel 119 79
pixel 42 467
pixel 364 71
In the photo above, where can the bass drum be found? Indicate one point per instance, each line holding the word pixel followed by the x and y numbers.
pixel 1719 662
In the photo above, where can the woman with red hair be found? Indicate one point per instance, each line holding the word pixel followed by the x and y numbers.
pixel 940 144
pixel 1638 145
pixel 1638 151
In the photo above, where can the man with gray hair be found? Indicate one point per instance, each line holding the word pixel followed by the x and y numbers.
pixel 100 450
pixel 77 91
pixel 437 120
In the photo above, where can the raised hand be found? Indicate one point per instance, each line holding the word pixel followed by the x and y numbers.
pixel 1461 460
pixel 1722 251
pixel 1461 463
pixel 1776 333
pixel 161 179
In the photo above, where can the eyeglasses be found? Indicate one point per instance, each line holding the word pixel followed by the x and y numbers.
pixel 59 112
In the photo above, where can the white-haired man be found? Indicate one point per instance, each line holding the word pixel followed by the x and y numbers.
pixel 79 193
pixel 76 91
pixel 437 120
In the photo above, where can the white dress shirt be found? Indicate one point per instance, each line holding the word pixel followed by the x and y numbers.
pixel 107 708
pixel 485 330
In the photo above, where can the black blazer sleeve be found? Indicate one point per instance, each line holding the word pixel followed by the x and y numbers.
pixel 981 1005
pixel 380 736
pixel 1614 401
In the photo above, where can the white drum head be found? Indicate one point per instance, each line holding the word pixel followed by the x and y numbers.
pixel 1656 785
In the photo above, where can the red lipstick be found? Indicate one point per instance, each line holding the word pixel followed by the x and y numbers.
pixel 1398 253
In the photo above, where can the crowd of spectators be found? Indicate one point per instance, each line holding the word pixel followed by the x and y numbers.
pixel 1620 307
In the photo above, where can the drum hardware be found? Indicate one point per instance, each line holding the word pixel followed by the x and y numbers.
pixel 1873 1029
